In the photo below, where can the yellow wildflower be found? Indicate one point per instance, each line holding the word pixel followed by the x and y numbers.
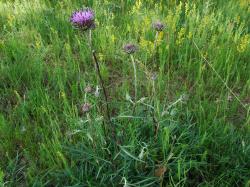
pixel 171 20
pixel 179 8
pixel 244 43
pixel 62 94
pixel 101 57
pixel 137 6
pixel 190 34
pixel 147 45
pixel 10 20
pixel 113 38
pixel 38 41
pixel 180 36
pixel 146 22
pixel 244 3
pixel 205 54
pixel 186 8
pixel 160 37
pixel 237 20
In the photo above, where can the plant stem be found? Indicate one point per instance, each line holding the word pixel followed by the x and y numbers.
pixel 154 119
pixel 155 45
pixel 90 39
pixel 135 77
pixel 156 38
pixel 102 84
pixel 105 95
pixel 108 116
pixel 153 89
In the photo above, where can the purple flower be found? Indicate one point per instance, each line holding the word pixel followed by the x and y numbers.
pixel 83 19
pixel 158 26
pixel 130 48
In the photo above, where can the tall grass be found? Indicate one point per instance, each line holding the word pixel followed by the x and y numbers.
pixel 190 127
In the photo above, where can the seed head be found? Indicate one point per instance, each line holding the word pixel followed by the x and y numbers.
pixel 86 107
pixel 130 48
pixel 88 89
pixel 158 26
pixel 83 19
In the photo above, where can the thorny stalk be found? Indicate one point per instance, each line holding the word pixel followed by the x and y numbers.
pixel 104 92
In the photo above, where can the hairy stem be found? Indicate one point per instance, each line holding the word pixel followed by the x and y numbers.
pixel 155 46
pixel 135 77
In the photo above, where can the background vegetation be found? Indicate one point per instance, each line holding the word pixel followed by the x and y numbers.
pixel 187 128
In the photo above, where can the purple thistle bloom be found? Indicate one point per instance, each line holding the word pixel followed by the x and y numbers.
pixel 130 48
pixel 83 19
pixel 158 26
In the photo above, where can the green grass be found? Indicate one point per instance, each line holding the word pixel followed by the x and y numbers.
pixel 190 127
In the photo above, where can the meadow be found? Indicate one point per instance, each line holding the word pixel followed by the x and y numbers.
pixel 174 111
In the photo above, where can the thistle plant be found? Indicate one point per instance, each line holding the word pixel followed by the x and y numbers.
pixel 131 49
pixel 158 27
pixel 84 20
